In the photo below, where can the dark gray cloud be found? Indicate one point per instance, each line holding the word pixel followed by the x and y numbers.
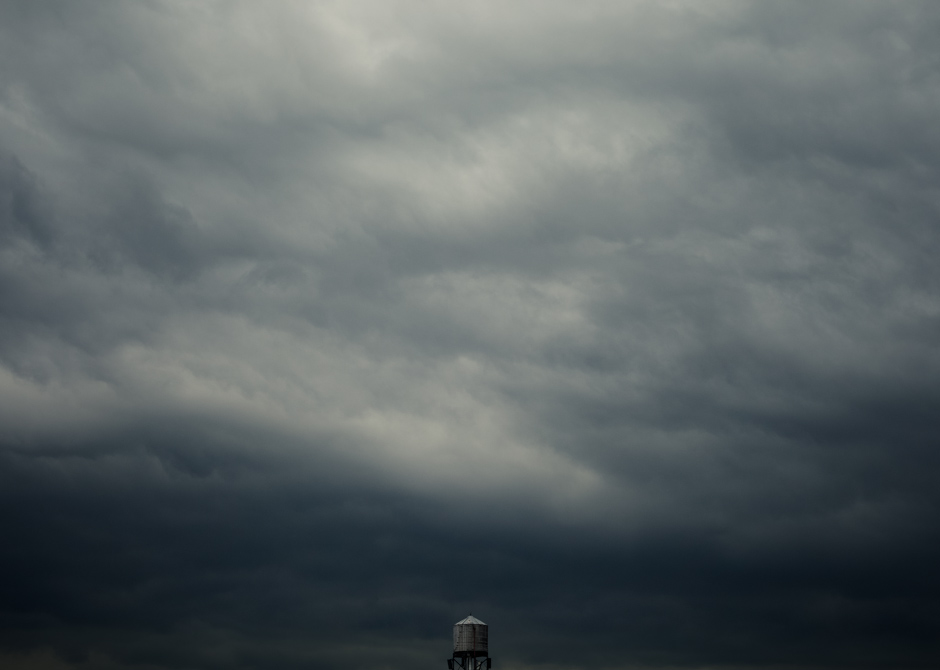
pixel 326 323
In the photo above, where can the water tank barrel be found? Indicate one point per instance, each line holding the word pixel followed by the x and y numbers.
pixel 471 637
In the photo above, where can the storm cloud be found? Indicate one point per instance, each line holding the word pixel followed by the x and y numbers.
pixel 323 324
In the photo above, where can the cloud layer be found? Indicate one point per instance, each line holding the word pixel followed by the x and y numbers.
pixel 325 323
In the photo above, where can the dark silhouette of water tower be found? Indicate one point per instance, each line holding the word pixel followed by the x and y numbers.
pixel 471 646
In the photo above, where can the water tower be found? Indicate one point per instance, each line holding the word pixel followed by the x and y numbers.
pixel 471 646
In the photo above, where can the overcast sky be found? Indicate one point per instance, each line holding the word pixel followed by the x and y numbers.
pixel 324 324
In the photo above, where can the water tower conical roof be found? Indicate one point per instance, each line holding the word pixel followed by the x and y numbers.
pixel 470 620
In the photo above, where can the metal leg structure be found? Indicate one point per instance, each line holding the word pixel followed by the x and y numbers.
pixel 469 663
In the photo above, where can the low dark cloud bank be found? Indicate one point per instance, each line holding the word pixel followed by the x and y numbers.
pixel 323 324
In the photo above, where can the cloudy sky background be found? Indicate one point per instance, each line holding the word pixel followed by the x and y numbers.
pixel 323 324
